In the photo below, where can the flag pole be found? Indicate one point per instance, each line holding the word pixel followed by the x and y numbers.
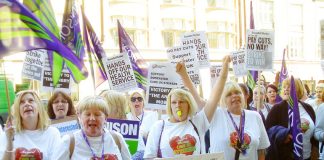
pixel 6 85
pixel 259 90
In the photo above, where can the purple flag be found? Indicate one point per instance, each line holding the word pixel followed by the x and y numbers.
pixel 97 70
pixel 138 63
pixel 252 76
pixel 294 122
pixel 21 30
pixel 283 75
pixel 71 32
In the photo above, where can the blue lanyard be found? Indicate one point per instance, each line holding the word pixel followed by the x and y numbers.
pixel 103 145
pixel 240 131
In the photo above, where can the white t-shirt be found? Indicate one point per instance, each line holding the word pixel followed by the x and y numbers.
pixel 83 152
pixel 308 128
pixel 221 127
pixel 177 138
pixel 266 109
pixel 312 102
pixel 149 118
pixel 47 141
pixel 1 129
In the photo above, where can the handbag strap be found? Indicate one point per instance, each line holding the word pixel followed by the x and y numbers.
pixel 196 130
pixel 159 153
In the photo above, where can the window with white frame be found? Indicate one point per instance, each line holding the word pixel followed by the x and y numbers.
pixel 295 40
pixel 136 28
pixel 173 28
pixel 171 38
pixel 221 35
pixel 265 16
pixel 139 37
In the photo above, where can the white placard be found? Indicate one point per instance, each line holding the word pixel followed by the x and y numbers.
pixel 188 55
pixel 259 50
pixel 64 83
pixel 120 73
pixel 67 125
pixel 238 59
pixel 34 64
pixel 214 73
pixel 200 40
pixel 162 77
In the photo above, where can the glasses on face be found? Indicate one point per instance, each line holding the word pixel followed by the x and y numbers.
pixel 60 101
pixel 133 99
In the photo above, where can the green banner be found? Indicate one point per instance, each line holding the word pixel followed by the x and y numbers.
pixel 3 95
pixel 132 145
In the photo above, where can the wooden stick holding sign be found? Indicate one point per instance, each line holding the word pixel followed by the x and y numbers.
pixel 259 91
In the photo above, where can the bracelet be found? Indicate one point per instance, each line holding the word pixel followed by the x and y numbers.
pixel 10 151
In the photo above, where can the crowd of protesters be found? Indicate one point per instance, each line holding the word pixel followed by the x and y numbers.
pixel 239 121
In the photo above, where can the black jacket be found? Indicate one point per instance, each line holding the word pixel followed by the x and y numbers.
pixel 278 116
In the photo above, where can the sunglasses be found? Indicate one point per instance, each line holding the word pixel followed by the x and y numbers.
pixel 133 99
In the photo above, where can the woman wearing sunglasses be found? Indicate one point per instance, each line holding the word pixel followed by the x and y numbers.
pixel 146 118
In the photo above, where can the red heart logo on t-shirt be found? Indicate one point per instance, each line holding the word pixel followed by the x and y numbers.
pixel 32 154
pixel 185 145
pixel 106 157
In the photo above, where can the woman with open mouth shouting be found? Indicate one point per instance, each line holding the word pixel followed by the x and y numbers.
pixel 27 134
pixel 183 133
pixel 138 113
pixel 93 141
pixel 60 105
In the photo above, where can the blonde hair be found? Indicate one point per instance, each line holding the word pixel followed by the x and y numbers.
pixel 43 120
pixel 116 103
pixel 93 102
pixel 130 108
pixel 229 88
pixel 300 91
pixel 185 95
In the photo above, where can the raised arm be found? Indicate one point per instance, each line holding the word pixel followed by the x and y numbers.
pixel 217 90
pixel 9 152
pixel 182 71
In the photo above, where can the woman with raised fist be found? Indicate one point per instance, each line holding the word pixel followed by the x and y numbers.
pixel 27 133
pixel 183 133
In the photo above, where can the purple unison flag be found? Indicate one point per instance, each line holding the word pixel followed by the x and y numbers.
pixel 98 71
pixel 294 122
pixel 252 76
pixel 128 128
pixel 139 65
pixel 71 32
pixel 21 30
pixel 283 75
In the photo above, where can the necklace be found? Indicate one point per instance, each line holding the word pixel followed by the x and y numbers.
pixel 103 146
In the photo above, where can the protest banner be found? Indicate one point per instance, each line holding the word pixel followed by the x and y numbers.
pixel 162 77
pixel 214 73
pixel 188 55
pixel 129 130
pixel 34 64
pixel 209 156
pixel 120 73
pixel 198 39
pixel 67 125
pixel 47 82
pixel 238 59
pixel 259 50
